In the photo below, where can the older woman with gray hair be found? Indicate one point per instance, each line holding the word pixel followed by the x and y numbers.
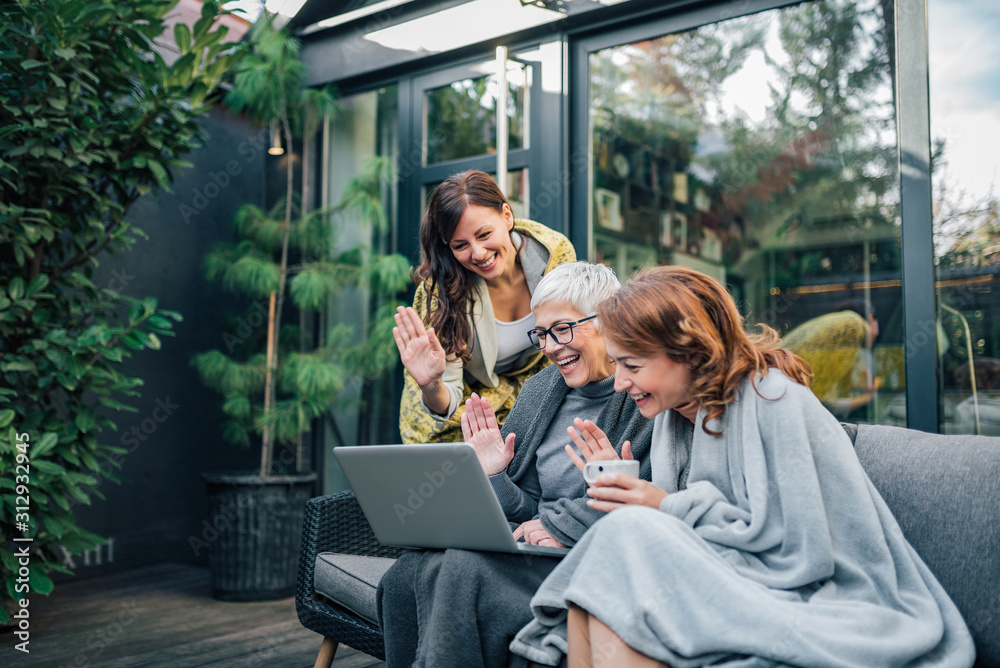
pixel 462 608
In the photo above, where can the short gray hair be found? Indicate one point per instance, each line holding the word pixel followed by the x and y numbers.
pixel 582 284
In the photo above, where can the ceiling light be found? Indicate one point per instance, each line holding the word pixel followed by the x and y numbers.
pixel 276 147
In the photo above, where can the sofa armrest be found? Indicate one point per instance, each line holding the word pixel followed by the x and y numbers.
pixel 335 523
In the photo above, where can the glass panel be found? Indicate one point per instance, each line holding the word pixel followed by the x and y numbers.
pixel 762 150
pixel 965 120
pixel 366 127
pixel 517 193
pixel 460 118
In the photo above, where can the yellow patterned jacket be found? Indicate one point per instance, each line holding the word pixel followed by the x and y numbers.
pixel 830 344
pixel 542 250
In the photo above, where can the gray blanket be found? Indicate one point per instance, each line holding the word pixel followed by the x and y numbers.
pixel 460 608
pixel 779 552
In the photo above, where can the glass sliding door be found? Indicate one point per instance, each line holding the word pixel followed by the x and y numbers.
pixel 762 150
pixel 460 117
pixel 965 128
pixel 365 128
pixel 452 128
pixel 458 126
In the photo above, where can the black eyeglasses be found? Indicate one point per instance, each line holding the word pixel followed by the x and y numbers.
pixel 561 333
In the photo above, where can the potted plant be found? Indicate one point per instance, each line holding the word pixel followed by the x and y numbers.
pixel 275 381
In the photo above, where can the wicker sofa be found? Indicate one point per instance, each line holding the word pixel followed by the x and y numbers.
pixel 943 490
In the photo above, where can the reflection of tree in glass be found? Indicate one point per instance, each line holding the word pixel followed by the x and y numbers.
pixel 461 118
pixel 966 226
pixel 646 106
pixel 650 92
pixel 826 148
pixel 823 148
pixel 967 242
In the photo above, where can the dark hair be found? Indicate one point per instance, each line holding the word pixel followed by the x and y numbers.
pixel 448 309
pixel 691 318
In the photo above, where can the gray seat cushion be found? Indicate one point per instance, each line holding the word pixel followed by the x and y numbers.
pixel 350 580
pixel 945 493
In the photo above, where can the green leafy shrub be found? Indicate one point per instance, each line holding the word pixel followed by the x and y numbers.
pixel 91 118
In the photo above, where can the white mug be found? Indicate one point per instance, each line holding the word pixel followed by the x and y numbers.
pixel 629 467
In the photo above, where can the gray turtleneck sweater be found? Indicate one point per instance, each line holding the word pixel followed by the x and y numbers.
pixel 553 475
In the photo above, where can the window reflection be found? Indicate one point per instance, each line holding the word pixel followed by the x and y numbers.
pixel 461 117
pixel 965 131
pixel 762 150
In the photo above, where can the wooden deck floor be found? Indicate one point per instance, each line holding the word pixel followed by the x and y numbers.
pixel 164 615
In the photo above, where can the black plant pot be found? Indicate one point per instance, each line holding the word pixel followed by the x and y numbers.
pixel 253 533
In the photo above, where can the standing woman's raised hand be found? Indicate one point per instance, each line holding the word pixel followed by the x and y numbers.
pixel 480 429
pixel 419 348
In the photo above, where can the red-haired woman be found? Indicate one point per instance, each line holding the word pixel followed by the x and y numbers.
pixel 467 329
pixel 760 541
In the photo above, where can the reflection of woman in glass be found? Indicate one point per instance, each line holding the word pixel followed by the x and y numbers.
pixel 760 540
pixel 839 348
pixel 467 329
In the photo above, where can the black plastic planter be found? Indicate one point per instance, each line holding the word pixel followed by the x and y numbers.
pixel 253 533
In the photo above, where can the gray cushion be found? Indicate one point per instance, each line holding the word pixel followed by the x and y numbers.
pixel 945 493
pixel 350 580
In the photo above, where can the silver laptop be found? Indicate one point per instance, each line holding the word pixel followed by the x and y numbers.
pixel 434 495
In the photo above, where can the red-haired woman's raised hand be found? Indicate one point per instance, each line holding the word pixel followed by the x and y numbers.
pixel 480 429
pixel 593 443
pixel 419 348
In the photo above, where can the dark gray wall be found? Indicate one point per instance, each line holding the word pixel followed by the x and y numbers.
pixel 175 436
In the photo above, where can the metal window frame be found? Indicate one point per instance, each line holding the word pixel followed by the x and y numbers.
pixel 924 408
pixel 542 157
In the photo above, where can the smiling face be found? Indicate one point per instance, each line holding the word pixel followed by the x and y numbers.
pixel 583 360
pixel 482 243
pixel 655 382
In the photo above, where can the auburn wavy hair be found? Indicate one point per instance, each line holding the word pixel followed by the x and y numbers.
pixel 449 284
pixel 693 319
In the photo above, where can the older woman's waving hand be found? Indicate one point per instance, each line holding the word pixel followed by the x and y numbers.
pixel 481 431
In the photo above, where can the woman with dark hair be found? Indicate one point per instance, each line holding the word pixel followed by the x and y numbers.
pixel 467 329
pixel 760 540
